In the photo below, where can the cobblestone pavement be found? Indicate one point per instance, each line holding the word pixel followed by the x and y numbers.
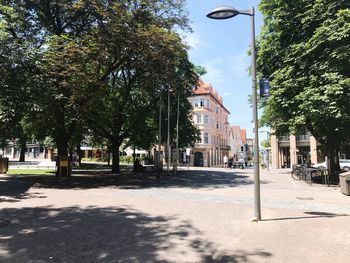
pixel 199 215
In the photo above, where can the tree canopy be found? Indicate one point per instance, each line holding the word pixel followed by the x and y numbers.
pixel 304 48
pixel 97 65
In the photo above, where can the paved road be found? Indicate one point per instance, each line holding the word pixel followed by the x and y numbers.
pixel 201 215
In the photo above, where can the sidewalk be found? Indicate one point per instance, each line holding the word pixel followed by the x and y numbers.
pixel 196 216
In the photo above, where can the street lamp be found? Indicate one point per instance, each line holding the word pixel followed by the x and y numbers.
pixel 225 12
pixel 168 139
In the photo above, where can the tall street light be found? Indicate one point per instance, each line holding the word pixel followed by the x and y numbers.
pixel 160 165
pixel 168 139
pixel 225 12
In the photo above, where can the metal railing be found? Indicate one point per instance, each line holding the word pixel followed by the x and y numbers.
pixel 284 138
pixel 303 137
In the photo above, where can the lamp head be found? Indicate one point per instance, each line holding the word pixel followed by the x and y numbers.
pixel 223 12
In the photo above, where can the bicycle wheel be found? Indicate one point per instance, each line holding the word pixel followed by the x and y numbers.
pixel 297 174
pixel 315 173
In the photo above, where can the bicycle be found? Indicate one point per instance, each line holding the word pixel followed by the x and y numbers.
pixel 299 172
pixel 303 172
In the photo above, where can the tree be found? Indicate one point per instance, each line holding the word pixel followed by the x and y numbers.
pixel 16 67
pixel 304 49
pixel 141 55
pixel 96 62
pixel 48 33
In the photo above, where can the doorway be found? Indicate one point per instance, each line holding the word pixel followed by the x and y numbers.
pixel 198 159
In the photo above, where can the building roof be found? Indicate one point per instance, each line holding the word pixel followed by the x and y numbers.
pixel 244 135
pixel 207 89
pixel 236 130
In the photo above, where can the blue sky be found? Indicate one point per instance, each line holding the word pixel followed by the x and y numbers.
pixel 221 47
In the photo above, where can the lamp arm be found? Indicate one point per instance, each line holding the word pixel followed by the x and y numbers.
pixel 248 12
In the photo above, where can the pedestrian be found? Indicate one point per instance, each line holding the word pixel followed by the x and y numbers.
pixel 225 161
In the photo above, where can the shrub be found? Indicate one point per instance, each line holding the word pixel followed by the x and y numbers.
pixel 126 159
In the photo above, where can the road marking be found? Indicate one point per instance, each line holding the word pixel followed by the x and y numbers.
pixel 288 176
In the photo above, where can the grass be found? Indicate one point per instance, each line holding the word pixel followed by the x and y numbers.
pixel 30 171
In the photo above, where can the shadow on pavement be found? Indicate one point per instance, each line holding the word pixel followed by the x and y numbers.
pixel 312 216
pixel 14 190
pixel 111 234
pixel 97 178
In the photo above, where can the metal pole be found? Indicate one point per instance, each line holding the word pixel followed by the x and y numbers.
pixel 168 141
pixel 159 135
pixel 255 120
pixel 177 132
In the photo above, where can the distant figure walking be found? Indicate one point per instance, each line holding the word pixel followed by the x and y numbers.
pixel 225 161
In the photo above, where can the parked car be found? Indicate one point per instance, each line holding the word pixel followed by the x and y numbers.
pixel 343 163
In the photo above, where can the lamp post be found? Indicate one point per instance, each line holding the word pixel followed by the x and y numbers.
pixel 168 139
pixel 177 132
pixel 225 12
pixel 159 168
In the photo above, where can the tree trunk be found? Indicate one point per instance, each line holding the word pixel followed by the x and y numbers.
pixel 79 157
pixel 63 168
pixel 109 155
pixel 23 145
pixel 115 157
pixel 134 158
pixel 332 151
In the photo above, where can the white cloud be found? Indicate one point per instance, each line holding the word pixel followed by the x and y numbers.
pixel 195 41
pixel 236 67
pixel 215 71
pixel 239 65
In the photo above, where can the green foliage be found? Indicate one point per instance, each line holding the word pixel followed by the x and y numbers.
pixel 266 144
pixel 93 67
pixel 126 159
pixel 30 172
pixel 304 48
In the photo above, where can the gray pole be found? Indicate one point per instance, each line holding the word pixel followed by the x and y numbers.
pixel 168 141
pixel 255 120
pixel 177 131
pixel 159 135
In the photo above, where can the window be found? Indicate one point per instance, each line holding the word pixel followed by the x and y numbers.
pixel 208 104
pixel 206 137
pixel 206 119
pixel 200 138
pixel 217 125
pixel 202 102
pixel 216 109
pixel 196 103
pixel 199 119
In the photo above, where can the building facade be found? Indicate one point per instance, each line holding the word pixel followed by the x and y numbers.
pixel 290 150
pixel 33 151
pixel 211 117
pixel 237 142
